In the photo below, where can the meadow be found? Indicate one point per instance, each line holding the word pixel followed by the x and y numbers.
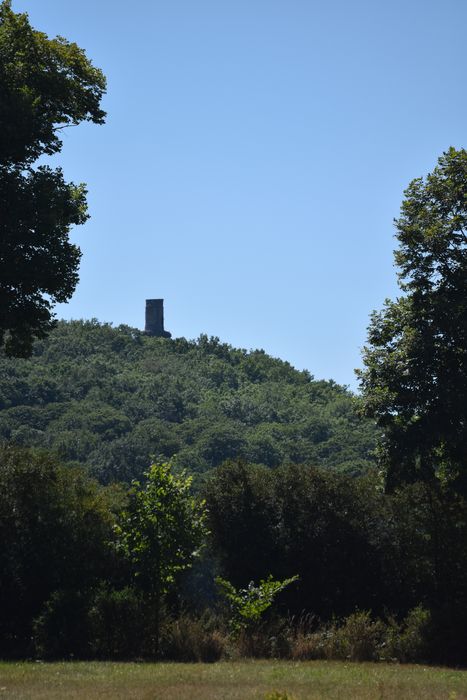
pixel 263 680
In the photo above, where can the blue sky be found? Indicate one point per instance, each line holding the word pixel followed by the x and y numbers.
pixel 254 157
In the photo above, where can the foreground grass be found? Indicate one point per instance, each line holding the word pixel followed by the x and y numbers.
pixel 230 681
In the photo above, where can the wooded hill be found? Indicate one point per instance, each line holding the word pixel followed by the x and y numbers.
pixel 111 398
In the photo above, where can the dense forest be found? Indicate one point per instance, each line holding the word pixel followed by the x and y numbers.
pixel 284 486
pixel 110 399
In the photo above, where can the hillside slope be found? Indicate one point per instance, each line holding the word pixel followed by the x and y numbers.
pixel 110 398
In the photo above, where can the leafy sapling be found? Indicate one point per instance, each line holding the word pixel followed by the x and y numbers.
pixel 249 604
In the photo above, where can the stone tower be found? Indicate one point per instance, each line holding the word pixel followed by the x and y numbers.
pixel 155 319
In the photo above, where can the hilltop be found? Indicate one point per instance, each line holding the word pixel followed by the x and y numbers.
pixel 111 398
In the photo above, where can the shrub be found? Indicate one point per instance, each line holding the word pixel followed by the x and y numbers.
pixel 191 639
pixel 119 622
pixel 270 639
pixel 359 639
pixel 305 638
pixel 251 644
pixel 408 642
pixel 308 646
pixel 61 630
pixel 248 605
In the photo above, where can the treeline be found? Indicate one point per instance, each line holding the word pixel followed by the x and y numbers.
pixel 85 574
pixel 110 398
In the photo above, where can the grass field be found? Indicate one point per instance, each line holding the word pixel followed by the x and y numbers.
pixel 229 681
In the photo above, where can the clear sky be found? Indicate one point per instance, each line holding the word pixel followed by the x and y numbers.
pixel 254 157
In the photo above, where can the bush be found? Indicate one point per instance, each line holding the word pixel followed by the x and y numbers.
pixel 270 639
pixel 408 642
pixel 119 622
pixel 61 630
pixel 304 638
pixel 306 645
pixel 251 644
pixel 359 639
pixel 190 639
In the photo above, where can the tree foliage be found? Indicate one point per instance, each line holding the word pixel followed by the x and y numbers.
pixel 55 525
pixel 111 398
pixel 45 85
pixel 415 377
pixel 161 529
pixel 160 533
pixel 296 519
pixel 351 544
pixel 74 584
pixel 249 604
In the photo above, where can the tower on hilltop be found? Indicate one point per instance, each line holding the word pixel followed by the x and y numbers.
pixel 155 319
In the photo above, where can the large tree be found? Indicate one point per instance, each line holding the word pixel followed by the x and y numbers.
pixel 46 85
pixel 415 377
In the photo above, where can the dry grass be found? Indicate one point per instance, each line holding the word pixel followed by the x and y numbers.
pixel 230 681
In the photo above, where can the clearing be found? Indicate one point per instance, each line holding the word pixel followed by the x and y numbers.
pixel 278 680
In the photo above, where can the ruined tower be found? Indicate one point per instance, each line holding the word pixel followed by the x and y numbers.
pixel 155 319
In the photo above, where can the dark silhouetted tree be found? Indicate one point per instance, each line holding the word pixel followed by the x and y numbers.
pixel 415 377
pixel 45 86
